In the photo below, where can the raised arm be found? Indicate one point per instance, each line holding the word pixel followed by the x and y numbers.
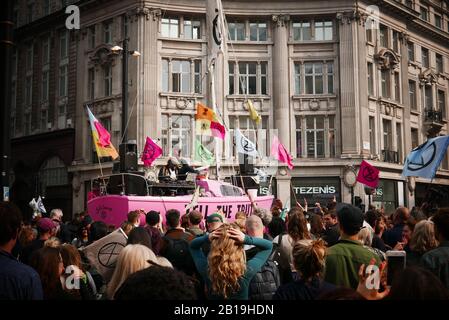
pixel 255 264
pixel 198 256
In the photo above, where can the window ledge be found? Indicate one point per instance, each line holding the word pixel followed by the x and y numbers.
pixel 181 94
pixel 312 41
pixel 251 96
pixel 237 42
pixel 415 112
pixel 182 39
pixel 413 63
pixel 313 96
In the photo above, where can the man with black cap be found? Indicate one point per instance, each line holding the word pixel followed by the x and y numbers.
pixel 344 259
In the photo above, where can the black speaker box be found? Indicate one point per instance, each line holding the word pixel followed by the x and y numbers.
pixel 128 157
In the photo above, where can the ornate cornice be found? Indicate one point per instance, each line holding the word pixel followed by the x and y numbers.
pixel 348 17
pixel 281 20
pixel 387 59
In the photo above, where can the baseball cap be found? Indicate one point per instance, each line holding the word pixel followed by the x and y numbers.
pixel 214 217
pixel 45 224
pixel 350 218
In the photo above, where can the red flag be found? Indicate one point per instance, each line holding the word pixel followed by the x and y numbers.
pixel 217 130
pixel 104 138
pixel 150 153
pixel 279 152
pixel 368 175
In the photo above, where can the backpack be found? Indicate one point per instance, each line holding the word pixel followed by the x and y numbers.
pixel 281 261
pixel 178 253
pixel 265 283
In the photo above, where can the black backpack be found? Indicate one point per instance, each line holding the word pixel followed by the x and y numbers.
pixel 265 283
pixel 178 253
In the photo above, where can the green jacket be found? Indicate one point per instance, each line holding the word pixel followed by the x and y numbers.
pixel 343 261
pixel 437 261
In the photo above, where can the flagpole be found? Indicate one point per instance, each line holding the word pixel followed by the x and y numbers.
pixel 214 108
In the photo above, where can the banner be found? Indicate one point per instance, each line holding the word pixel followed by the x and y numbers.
pixel 207 123
pixel 103 253
pixel 244 145
pixel 216 28
pixel 150 153
pixel 424 160
pixel 368 175
pixel 202 154
pixel 279 152
pixel 101 138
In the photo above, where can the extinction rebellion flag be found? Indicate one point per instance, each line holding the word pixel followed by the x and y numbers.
pixel 368 175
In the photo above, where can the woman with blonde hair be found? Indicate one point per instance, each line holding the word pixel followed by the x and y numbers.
pixel 309 258
pixel 422 240
pixel 132 258
pixel 225 271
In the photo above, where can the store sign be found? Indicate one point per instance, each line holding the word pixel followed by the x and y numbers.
pixel 314 190
pixel 327 189
pixel 265 186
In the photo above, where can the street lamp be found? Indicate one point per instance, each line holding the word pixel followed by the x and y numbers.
pixel 124 51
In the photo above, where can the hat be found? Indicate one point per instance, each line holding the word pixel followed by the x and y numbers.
pixel 45 224
pixel 350 218
pixel 152 217
pixel 214 217
pixel 184 161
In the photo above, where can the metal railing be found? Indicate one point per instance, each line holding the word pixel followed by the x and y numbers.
pixel 390 156
pixel 433 115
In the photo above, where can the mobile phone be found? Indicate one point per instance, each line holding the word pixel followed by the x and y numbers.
pixel 395 264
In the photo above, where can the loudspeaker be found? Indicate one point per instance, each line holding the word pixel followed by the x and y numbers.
pixel 246 164
pixel 128 156
pixel 129 184
pixel 248 182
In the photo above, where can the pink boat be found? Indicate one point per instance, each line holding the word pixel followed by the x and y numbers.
pixel 127 192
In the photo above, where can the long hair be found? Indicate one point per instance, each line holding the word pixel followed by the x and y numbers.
pixel 309 257
pixel 227 264
pixel 132 258
pixel 423 237
pixel 297 225
pixel 46 261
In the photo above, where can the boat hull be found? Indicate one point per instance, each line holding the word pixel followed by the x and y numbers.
pixel 113 209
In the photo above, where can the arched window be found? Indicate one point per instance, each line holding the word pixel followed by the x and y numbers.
pixel 53 172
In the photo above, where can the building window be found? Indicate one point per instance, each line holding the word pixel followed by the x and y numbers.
pixel 45 85
pixel 313 78
pixel 46 51
pixel 247 77
pixel 258 31
pixel 44 120
pixel 302 31
pixel 409 3
pixel 92 37
pixel 297 78
pixel 411 51
pixel 252 77
pixel 298 137
pixel 91 83
pixel 29 59
pixel 323 30
pixel 63 44
pixel 107 72
pixel 396 41
pixel 399 142
pixel 438 21
pixel 165 74
pixel 424 13
pixel 236 31
pixel 383 36
pixel 53 173
pixel 164 131
pixel 107 32
pixel 125 26
pixel 263 77
pixel 180 134
pixel 439 63
pixel 415 138
pixel 370 79
pixel 425 57
pixel 170 27
pixel 318 136
pixel 46 7
pixel 192 29
pixel 372 136
pixel 386 124
pixel 385 83
pixel 180 76
pixel 428 99
pixel 442 103
pixel 259 136
pixel 330 77
pixel 397 87
pixel 198 76
pixel 412 95
pixel 28 90
pixel 369 33
pixel 63 76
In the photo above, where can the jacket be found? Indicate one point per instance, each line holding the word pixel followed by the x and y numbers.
pixel 437 261
pixel 301 290
pixel 265 282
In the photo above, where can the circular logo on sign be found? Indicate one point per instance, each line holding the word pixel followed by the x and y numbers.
pixel 369 174
pixel 246 145
pixel 426 157
pixel 107 255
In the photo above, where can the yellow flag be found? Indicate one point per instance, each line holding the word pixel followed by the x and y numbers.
pixel 253 112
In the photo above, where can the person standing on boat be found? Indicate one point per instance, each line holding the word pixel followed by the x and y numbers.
pixel 185 169
pixel 169 172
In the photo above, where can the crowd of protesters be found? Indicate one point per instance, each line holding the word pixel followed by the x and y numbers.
pixel 296 254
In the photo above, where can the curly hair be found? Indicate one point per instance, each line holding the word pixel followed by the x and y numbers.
pixel 226 264
pixel 423 237
pixel 297 225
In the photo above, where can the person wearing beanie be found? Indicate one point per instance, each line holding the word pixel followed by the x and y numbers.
pixel 46 229
pixel 344 259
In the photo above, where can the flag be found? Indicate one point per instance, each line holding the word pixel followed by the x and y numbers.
pixel 151 152
pixel 216 29
pixel 202 154
pixel 253 112
pixel 244 145
pixel 101 138
pixel 424 160
pixel 194 200
pixel 207 123
pixel 33 205
pixel 40 205
pixel 103 253
pixel 279 152
pixel 368 175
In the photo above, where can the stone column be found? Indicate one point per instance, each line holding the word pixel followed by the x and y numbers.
pixel 283 187
pixel 281 78
pixel 349 82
